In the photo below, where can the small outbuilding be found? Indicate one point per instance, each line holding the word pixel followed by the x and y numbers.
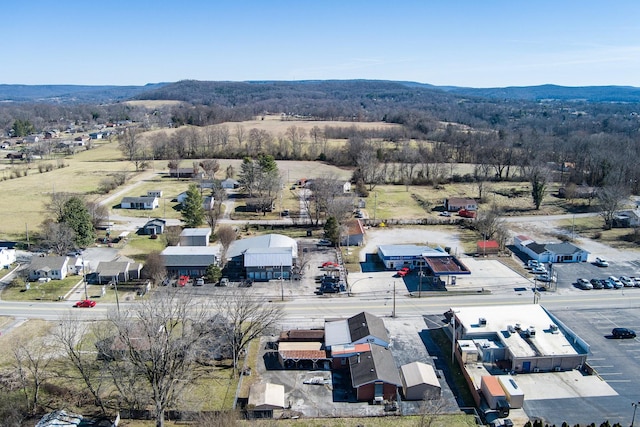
pixel 266 396
pixel 195 237
pixel 419 381
pixel 487 247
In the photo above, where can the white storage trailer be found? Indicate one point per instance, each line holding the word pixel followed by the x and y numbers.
pixel 515 395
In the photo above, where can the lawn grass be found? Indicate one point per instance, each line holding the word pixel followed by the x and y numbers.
pixel 139 246
pixel 49 291
pixel 29 330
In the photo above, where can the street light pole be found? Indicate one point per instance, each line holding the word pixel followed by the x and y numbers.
pixel 635 406
pixel 350 286
pixel 453 336
pixel 84 280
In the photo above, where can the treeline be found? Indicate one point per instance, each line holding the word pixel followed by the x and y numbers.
pixel 591 143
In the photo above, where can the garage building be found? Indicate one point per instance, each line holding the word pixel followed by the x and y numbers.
pixel 419 381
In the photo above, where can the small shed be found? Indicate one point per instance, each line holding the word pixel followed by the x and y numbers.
pixel 488 247
pixel 419 381
pixel 266 396
pixel 515 395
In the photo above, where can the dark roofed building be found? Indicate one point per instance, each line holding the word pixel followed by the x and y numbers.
pixel 365 327
pixel 550 252
pixel 374 375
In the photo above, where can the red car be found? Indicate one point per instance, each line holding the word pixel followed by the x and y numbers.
pixel 183 280
pixel 403 271
pixel 85 303
pixel 330 264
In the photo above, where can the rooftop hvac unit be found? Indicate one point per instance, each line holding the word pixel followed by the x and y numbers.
pixel 511 329
pixel 482 321
pixel 554 328
pixel 517 326
pixel 531 331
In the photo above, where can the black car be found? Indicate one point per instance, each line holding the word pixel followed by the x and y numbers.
pixel 597 284
pixel 623 333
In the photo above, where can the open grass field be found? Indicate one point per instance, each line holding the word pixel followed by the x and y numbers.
pixel 49 291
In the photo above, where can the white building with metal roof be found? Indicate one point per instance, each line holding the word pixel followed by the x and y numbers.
pixel 530 339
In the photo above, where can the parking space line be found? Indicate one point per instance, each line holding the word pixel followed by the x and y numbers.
pixel 601 366
pixel 618 381
pixel 610 373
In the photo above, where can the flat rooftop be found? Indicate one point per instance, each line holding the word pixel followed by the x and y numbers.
pixel 501 321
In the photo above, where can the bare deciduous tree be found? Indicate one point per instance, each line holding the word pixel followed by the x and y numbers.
pixel 154 268
pixel 226 236
pixel 161 338
pixel 247 318
pixel 58 236
pixel 72 336
pixel 611 198
pixel 131 146
pixel 32 361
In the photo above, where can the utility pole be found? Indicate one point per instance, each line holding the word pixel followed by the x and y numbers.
pixel 420 281
pixel 281 285
pixel 393 313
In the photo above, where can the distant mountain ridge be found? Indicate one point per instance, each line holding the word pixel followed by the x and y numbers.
pixel 239 93
pixel 71 94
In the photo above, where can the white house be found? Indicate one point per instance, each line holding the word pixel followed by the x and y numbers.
pixel 140 203
pixel 7 257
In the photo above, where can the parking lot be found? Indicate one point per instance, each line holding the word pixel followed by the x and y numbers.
pixel 567 274
pixel 616 361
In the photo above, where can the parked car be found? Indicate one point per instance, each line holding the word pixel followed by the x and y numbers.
pixel 584 284
pixel 199 281
pixel 601 262
pixel 324 242
pixel 445 213
pixel 636 281
pixel 615 282
pixel 623 333
pixel 539 270
pixel 223 282
pixel 627 282
pixel 330 264
pixel 597 283
pixel 533 263
pixel 403 271
pixel 85 303
pixel 183 280
pixel 607 284
pixel 544 277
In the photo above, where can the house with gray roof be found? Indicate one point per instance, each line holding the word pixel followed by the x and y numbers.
pixel 190 261
pixel 153 226
pixel 48 267
pixel 374 375
pixel 120 270
pixel 550 252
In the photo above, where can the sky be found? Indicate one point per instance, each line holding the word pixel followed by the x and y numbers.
pixel 472 43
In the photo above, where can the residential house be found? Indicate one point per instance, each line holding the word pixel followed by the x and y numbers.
pixel 7 257
pixel 120 270
pixel 143 202
pixel 352 233
pixel 96 135
pixel 195 237
pixel 627 218
pixel 154 193
pixel 454 204
pixel 185 173
pixel 48 267
pixel 189 260
pixel 230 184
pixel 154 226
pixel 374 375
pixel 207 201
pixel 550 252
